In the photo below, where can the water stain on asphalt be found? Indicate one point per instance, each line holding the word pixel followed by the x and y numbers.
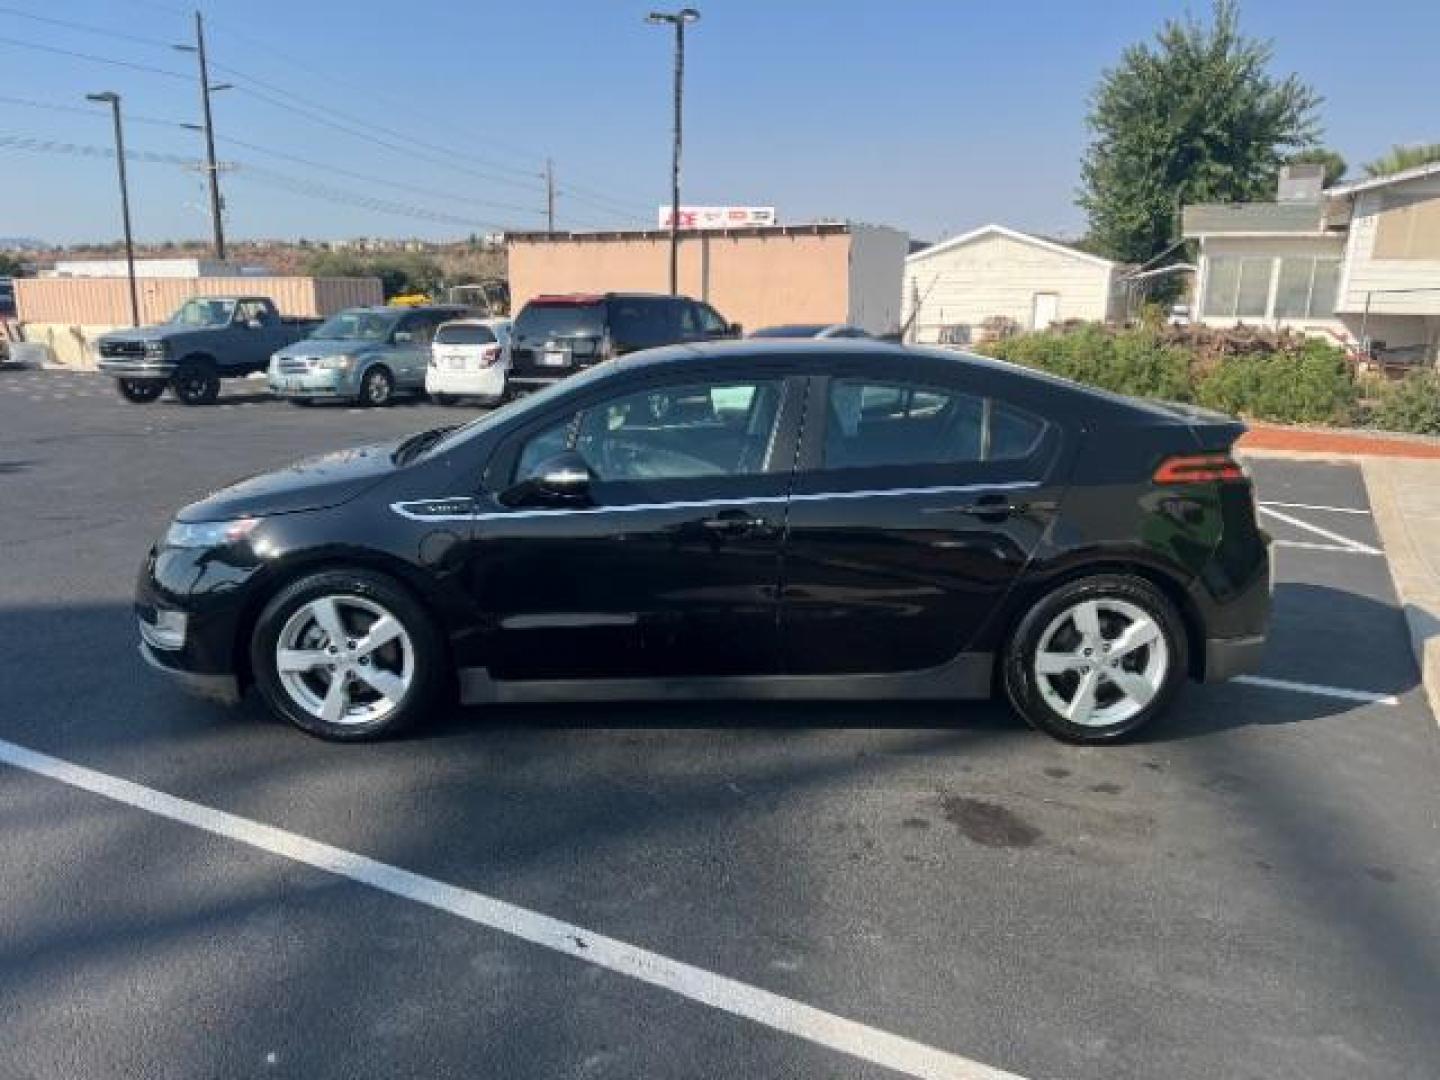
pixel 988 824
pixel 1381 874
pixel 1107 788
pixel 1055 772
pixel 916 823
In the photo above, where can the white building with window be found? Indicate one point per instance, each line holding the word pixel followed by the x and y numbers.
pixel 1357 262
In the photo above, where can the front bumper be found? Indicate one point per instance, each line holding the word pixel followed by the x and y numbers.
pixel 1226 658
pixel 221 689
pixel 314 384
pixel 136 369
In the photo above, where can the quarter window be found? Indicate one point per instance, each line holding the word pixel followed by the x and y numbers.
pixel 641 324
pixel 874 424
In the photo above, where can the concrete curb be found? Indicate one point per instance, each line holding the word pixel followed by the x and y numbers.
pixel 1403 496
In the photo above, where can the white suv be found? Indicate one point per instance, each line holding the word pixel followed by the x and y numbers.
pixel 469 358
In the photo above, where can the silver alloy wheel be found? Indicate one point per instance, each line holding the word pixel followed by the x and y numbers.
pixel 345 660
pixel 1100 662
pixel 377 388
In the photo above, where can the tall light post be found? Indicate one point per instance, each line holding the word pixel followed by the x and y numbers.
pixel 677 19
pixel 113 100
pixel 212 170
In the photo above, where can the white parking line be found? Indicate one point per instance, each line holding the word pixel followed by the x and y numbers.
pixel 1313 506
pixel 1368 697
pixel 1340 543
pixel 717 991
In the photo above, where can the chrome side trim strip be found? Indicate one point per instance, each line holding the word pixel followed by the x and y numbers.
pixel 404 509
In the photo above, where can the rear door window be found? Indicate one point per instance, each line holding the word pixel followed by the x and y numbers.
pixel 539 323
pixel 875 424
pixel 642 323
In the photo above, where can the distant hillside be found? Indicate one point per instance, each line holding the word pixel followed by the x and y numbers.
pixel 21 243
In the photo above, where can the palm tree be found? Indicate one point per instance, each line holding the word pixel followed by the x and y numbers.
pixel 1401 157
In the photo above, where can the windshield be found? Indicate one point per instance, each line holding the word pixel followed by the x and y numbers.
pixel 540 322
pixel 540 399
pixel 204 313
pixel 464 334
pixel 358 326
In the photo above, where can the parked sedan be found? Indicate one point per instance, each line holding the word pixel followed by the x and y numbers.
pixel 777 519
pixel 469 358
pixel 366 355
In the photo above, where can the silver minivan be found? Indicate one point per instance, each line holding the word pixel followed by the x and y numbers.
pixel 366 355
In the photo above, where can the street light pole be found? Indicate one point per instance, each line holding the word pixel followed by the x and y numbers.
pixel 678 19
pixel 113 100
pixel 212 170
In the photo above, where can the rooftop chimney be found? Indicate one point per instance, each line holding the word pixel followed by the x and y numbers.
pixel 1300 183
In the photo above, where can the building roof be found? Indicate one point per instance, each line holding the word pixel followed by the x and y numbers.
pixel 1416 173
pixel 1257 218
pixel 1012 234
pixel 540 236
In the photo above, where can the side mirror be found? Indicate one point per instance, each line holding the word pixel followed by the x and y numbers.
pixel 736 330
pixel 564 478
pixel 403 337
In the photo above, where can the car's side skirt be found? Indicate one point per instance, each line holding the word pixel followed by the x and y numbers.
pixel 968 676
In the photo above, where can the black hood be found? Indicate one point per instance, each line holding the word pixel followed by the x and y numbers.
pixel 312 484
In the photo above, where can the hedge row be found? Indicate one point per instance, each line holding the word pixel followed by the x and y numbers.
pixel 1287 378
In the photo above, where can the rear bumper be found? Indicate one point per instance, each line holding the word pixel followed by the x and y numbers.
pixel 221 689
pixel 1226 658
pixel 484 383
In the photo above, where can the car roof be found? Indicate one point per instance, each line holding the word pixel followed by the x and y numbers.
pixel 785 330
pixel 559 299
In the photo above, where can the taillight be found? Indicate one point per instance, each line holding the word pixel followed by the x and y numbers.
pixel 1199 469
pixel 489 354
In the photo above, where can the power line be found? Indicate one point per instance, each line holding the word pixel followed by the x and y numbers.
pixel 147 68
pixel 85 28
pixel 55 106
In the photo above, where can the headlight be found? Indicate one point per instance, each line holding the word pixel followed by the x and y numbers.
pixel 336 363
pixel 209 534
pixel 156 348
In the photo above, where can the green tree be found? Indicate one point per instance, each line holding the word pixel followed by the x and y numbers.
pixel 398 274
pixel 1400 158
pixel 10 265
pixel 1335 165
pixel 1194 117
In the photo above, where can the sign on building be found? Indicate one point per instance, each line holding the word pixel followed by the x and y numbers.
pixel 719 217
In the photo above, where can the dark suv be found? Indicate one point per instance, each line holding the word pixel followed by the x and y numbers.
pixel 556 336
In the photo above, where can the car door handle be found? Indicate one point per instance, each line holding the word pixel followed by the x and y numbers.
pixel 993 507
pixel 733 523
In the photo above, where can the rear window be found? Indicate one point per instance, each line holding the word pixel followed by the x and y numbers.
pixel 464 335
pixel 539 322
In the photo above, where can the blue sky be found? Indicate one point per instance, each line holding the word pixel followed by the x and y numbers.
pixel 931 115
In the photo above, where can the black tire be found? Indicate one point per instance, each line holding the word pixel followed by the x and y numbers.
pixel 195 382
pixel 430 669
pixel 377 388
pixel 443 400
pixel 302 402
pixel 140 391
pixel 1022 680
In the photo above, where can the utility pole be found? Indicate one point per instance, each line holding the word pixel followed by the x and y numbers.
pixel 113 100
pixel 549 196
pixel 678 19
pixel 212 170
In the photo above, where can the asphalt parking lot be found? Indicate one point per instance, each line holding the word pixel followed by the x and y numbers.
pixel 1252 890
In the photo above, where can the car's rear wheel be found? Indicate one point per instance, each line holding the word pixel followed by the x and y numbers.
pixel 377 387
pixel 1097 659
pixel 195 382
pixel 443 400
pixel 347 655
pixel 140 391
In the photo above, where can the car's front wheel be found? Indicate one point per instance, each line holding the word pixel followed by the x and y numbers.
pixel 377 387
pixel 1096 659
pixel 347 655
pixel 140 391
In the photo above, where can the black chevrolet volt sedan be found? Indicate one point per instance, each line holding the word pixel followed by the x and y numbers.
pixel 768 519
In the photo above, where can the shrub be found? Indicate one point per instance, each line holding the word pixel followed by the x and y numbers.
pixel 1134 362
pixel 1314 384
pixel 1411 404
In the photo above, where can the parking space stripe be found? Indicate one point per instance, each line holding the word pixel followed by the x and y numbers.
pixel 1313 506
pixel 1368 697
pixel 1345 542
pixel 1305 545
pixel 728 995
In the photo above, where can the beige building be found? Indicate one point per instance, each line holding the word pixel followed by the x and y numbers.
pixel 67 314
pixel 1357 262
pixel 759 276
pixel 995 272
